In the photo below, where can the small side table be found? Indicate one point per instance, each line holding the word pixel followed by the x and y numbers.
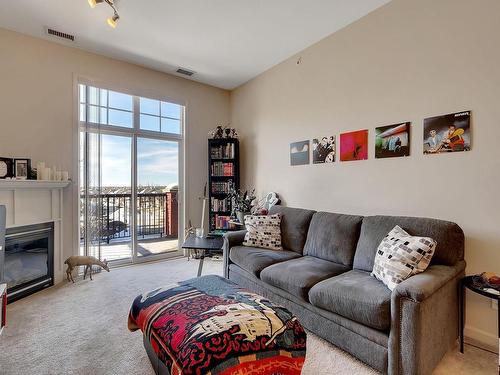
pixel 204 244
pixel 468 282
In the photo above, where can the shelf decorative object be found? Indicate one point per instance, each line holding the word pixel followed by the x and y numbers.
pixel 223 132
pixel 223 174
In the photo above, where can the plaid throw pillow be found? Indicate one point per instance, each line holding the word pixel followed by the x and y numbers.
pixel 263 231
pixel 400 256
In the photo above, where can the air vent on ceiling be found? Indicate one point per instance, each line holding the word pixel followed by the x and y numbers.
pixel 60 34
pixel 186 72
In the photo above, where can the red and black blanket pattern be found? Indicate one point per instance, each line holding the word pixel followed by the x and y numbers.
pixel 209 325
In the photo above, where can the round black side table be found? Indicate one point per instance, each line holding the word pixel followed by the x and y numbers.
pixel 468 282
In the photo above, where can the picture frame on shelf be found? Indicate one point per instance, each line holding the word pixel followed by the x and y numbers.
pixel 6 168
pixel 22 168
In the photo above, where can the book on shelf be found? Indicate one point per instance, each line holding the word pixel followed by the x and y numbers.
pixel 223 151
pixel 221 187
pixel 220 205
pixel 222 222
pixel 220 168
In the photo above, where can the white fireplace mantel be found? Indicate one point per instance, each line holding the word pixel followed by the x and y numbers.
pixel 31 202
pixel 32 184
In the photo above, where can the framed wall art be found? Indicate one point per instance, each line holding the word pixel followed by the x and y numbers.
pixel 392 141
pixel 354 145
pixel 447 133
pixel 323 150
pixel 299 153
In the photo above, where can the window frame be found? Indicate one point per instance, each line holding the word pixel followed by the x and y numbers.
pixel 134 132
pixel 136 116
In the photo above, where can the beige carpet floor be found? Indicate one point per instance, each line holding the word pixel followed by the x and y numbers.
pixel 81 328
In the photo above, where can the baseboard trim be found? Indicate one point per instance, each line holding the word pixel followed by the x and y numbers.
pixel 480 338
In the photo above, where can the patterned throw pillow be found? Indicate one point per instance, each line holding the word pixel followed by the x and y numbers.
pixel 400 256
pixel 263 231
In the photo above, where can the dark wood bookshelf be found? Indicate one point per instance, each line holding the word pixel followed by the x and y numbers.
pixel 224 157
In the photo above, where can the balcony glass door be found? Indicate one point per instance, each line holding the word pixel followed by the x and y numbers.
pixel 116 197
pixel 129 175
pixel 157 196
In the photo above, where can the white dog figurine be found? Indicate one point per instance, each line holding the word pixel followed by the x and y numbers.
pixel 87 261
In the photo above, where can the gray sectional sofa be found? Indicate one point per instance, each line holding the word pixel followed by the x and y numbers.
pixel 323 276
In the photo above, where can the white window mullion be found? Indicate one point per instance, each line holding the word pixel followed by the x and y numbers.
pixel 133 219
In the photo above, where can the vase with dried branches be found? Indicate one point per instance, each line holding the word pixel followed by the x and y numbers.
pixel 241 202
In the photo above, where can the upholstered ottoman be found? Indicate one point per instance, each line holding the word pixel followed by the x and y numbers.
pixel 209 325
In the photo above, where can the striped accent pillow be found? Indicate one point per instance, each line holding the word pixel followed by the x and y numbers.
pixel 400 256
pixel 263 231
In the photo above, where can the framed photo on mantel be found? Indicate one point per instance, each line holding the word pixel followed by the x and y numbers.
pixel 6 168
pixel 22 168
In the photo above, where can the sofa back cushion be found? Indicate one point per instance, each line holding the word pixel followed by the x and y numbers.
pixel 449 237
pixel 333 237
pixel 294 226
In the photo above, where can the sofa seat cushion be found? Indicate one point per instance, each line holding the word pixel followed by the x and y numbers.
pixel 255 259
pixel 297 276
pixel 357 296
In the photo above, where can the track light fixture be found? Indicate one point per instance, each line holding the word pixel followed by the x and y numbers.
pixel 93 3
pixel 112 21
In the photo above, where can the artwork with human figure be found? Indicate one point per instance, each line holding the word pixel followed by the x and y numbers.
pixel 354 145
pixel 323 150
pixel 392 141
pixel 447 133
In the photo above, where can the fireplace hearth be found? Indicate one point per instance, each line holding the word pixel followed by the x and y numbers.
pixel 29 259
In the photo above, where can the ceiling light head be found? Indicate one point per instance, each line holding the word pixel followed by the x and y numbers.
pixel 112 21
pixel 93 3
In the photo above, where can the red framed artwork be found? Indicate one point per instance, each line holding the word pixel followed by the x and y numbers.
pixel 354 145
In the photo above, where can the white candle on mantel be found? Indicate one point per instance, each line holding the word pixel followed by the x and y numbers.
pixel 45 174
pixel 40 166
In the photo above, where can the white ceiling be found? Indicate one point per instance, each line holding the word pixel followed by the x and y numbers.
pixel 226 42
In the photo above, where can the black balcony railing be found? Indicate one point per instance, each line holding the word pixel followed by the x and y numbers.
pixel 109 216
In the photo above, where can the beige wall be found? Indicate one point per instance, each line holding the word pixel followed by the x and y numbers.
pixel 37 102
pixel 404 62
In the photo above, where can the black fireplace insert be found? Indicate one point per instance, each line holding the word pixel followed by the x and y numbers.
pixel 29 259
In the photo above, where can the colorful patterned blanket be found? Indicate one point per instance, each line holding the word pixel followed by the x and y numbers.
pixel 209 325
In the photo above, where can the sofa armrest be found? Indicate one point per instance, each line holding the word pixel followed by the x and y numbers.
pixel 425 284
pixel 424 319
pixel 231 239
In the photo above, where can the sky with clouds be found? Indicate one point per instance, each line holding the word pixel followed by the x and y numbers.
pixel 157 161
